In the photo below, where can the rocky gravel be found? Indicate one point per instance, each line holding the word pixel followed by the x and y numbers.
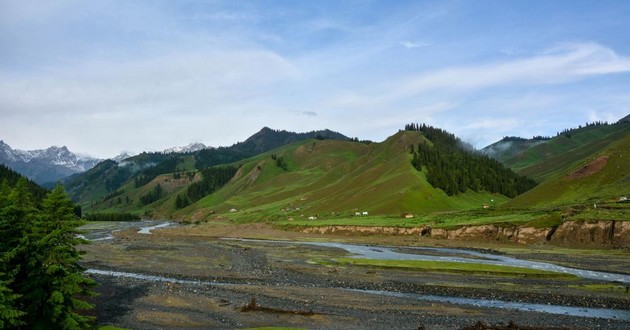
pixel 293 290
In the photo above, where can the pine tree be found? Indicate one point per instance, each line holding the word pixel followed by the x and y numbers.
pixel 55 282
pixel 9 314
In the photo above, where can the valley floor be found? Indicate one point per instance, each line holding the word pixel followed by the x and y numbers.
pixel 201 280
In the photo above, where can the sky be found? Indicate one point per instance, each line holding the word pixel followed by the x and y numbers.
pixel 103 77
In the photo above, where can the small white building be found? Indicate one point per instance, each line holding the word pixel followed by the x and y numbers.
pixel 357 213
pixel 365 213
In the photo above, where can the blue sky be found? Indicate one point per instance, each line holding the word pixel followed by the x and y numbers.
pixel 108 76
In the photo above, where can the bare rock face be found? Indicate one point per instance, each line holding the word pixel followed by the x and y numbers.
pixel 363 230
pixel 601 234
pixel 621 236
pixel 593 234
pixel 528 235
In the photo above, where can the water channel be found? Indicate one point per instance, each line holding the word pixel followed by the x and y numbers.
pixel 615 314
pixel 453 255
pixel 393 253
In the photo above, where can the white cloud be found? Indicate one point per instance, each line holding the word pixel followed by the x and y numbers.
pixel 179 80
pixel 606 116
pixel 567 64
pixel 560 65
pixel 410 44
pixel 497 125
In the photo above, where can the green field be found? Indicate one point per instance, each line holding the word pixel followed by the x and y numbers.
pixel 452 267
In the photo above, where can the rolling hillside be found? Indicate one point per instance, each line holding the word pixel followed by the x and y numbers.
pixel 321 178
pixel 602 176
pixel 545 158
pixel 108 177
pixel 585 165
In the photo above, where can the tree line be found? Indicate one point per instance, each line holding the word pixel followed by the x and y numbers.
pixel 111 217
pixel 280 162
pixel 213 179
pixel 455 168
pixel 42 286
pixel 152 196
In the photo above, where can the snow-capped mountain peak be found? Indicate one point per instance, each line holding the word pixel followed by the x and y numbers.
pixel 192 147
pixel 121 157
pixel 50 164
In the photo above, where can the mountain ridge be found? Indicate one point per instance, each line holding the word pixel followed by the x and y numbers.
pixel 45 165
pixel 310 177
pixel 107 177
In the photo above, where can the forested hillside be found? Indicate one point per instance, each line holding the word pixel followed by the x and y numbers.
pixel 41 284
pixel 455 168
pixel 108 176
pixel 11 178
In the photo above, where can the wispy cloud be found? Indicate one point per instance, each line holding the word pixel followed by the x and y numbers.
pixel 560 65
pixel 411 44
pixel 178 80
pixel 568 63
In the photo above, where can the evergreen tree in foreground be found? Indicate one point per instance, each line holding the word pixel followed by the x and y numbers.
pixel 42 283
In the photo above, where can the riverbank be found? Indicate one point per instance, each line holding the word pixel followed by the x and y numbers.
pixel 301 285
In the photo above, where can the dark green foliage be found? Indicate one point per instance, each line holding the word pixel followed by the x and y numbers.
pixel 213 179
pixel 455 168
pixel 108 176
pixel 181 201
pixel 152 195
pixel 13 177
pixel 9 315
pixel 106 173
pixel 279 162
pixel 266 139
pixel 223 155
pixel 41 283
pixel 111 217
pixel 168 165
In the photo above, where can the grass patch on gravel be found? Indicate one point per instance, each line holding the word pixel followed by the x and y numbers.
pixel 601 287
pixel 453 267
pixel 275 328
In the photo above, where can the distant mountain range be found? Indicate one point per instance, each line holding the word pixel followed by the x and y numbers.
pixel 278 174
pixel 108 176
pixel 45 165
pixel 346 168
pixel 187 148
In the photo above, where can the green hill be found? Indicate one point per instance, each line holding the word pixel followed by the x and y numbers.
pixel 602 176
pixel 108 179
pixel 556 156
pixel 323 178
pixel 543 158
pixel 578 166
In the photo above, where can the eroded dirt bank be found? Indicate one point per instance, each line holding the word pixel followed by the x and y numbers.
pixel 588 234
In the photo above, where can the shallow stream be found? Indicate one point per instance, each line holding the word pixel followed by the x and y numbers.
pixel 482 303
pixel 454 255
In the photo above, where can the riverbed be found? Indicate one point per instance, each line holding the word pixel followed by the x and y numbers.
pixel 157 272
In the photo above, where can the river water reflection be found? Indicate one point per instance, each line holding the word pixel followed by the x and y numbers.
pixel 454 255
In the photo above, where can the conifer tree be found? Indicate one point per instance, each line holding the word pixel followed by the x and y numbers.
pixel 9 314
pixel 55 281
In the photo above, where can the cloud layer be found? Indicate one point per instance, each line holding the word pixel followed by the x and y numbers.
pixel 102 77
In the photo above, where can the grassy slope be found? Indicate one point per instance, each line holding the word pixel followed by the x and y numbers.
pixel 552 158
pixel 611 182
pixel 333 176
